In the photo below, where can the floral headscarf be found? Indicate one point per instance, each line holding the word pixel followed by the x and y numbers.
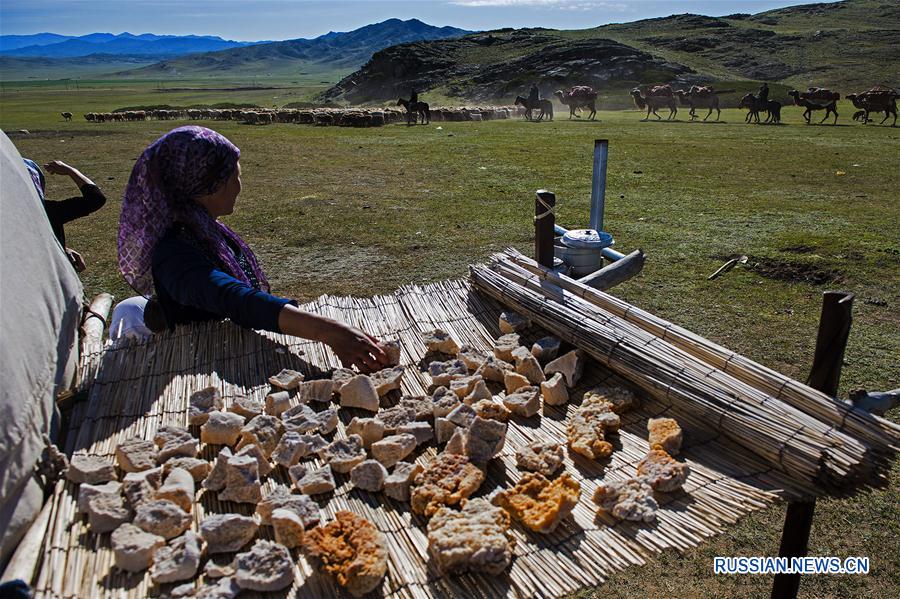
pixel 182 165
pixel 37 176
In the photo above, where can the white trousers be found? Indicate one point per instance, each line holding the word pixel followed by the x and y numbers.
pixel 127 321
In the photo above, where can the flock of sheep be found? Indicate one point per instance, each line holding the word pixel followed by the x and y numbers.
pixel 343 117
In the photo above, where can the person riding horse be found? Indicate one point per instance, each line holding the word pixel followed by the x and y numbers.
pixel 534 96
pixel 763 93
pixel 415 109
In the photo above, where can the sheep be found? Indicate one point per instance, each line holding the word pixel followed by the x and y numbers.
pixel 344 117
pixel 324 118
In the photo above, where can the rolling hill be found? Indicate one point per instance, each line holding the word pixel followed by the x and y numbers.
pixel 847 45
pixel 16 68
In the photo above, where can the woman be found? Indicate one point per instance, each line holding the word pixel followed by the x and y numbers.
pixel 63 211
pixel 171 242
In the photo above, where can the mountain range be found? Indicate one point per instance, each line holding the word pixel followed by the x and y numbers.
pixel 52 45
pixel 334 51
pixel 331 55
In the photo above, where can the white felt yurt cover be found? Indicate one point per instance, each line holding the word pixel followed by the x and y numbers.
pixel 40 307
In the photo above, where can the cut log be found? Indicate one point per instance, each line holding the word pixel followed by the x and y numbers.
pixel 615 273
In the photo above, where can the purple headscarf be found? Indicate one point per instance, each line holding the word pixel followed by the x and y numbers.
pixel 182 165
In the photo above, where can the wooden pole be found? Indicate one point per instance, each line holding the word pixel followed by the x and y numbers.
pixel 93 323
pixel 24 562
pixel 834 330
pixel 598 183
pixel 615 273
pixel 544 222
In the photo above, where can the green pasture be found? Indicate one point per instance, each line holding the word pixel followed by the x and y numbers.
pixel 364 211
pixel 38 104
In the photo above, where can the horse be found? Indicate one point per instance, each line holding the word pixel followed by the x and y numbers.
pixel 413 112
pixel 545 105
pixel 755 105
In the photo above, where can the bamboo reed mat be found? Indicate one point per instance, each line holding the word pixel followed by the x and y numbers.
pixel 141 387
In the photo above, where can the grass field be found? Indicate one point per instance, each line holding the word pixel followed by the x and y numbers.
pixel 346 211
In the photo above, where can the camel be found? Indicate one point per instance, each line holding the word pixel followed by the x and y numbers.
pixel 580 96
pixel 653 103
pixel 755 105
pixel 878 99
pixel 700 97
pixel 544 104
pixel 414 111
pixel 816 99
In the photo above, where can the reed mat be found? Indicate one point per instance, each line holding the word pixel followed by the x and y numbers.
pixel 141 387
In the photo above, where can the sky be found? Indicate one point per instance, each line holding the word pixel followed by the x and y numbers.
pixel 254 20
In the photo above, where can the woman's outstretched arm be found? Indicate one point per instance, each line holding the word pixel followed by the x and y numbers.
pixel 353 346
pixel 185 275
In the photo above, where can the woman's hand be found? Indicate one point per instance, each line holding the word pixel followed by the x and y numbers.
pixel 352 346
pixel 76 260
pixel 58 167
pixel 355 347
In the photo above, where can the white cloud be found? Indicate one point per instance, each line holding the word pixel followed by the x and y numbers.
pixel 560 4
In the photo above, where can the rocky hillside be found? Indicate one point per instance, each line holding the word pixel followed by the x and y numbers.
pixel 523 56
pixel 847 45
pixel 843 44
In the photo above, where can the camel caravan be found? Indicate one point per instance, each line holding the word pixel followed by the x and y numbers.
pixel 663 96
pixel 878 99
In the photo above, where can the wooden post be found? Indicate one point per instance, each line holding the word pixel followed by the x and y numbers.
pixel 544 222
pixel 834 330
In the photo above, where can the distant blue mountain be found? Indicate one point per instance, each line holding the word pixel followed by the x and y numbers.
pixel 13 42
pixel 49 45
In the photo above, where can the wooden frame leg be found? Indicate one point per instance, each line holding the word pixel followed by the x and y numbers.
pixel 834 330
